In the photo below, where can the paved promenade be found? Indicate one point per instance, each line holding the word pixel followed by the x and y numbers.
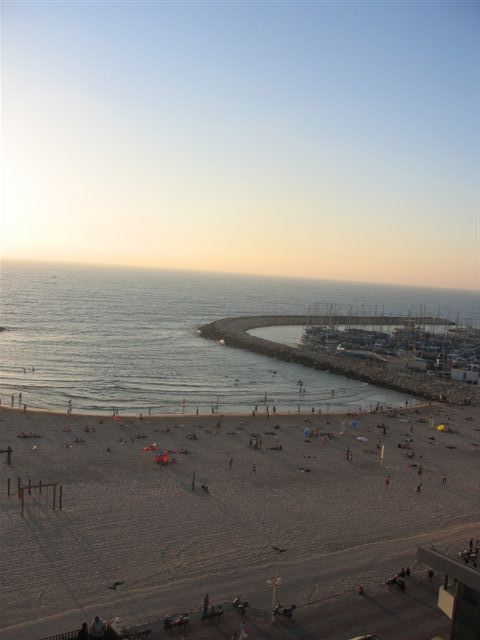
pixel 393 615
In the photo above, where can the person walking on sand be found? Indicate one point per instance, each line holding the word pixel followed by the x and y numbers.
pixel 230 463
pixel 243 633
pixel 444 480
pixel 206 602
pixel 253 469
pixel 387 481
pixel 419 488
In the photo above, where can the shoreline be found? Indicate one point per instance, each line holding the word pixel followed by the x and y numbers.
pixel 412 406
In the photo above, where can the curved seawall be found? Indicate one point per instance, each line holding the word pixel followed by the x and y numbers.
pixel 391 374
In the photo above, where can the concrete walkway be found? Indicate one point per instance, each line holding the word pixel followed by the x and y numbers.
pixel 393 615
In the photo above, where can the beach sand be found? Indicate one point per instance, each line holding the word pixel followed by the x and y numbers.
pixel 126 518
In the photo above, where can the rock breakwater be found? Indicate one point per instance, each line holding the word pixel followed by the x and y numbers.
pixel 391 373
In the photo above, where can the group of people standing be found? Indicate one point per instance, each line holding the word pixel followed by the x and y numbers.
pixel 96 632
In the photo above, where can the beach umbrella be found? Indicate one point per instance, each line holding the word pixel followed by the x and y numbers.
pixel 441 427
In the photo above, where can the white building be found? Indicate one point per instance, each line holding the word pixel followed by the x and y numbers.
pixel 469 374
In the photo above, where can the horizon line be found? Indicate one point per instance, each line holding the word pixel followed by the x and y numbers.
pixel 118 265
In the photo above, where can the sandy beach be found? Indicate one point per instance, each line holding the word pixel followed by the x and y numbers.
pixel 125 517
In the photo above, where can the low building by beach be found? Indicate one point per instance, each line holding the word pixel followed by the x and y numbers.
pixel 459 597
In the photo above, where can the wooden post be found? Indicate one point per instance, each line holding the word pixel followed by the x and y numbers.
pixel 22 499
pixel 54 496
pixel 29 487
pixel 193 481
pixel 8 487
pixel 9 455
pixel 60 498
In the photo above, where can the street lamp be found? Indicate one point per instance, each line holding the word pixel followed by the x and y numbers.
pixel 276 581
pixel 114 588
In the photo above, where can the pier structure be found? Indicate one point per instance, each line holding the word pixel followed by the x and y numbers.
pixel 382 369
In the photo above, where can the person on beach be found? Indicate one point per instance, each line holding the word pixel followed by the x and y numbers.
pixel 253 469
pixel 13 399
pixel 20 398
pixel 230 463
pixel 387 481
pixel 206 602
pixel 98 629
pixel 419 488
pixel 444 480
pixel 83 633
pixel 243 633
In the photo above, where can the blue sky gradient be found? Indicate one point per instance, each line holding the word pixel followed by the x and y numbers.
pixel 360 115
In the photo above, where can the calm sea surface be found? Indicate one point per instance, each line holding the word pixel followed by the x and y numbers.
pixel 104 337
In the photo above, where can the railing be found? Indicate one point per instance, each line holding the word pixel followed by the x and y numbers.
pixel 66 635
pixel 128 635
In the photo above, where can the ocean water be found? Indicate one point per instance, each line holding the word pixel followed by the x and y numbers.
pixel 104 337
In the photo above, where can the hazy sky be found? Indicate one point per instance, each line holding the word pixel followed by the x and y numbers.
pixel 332 140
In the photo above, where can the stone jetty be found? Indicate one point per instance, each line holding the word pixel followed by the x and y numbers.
pixel 391 373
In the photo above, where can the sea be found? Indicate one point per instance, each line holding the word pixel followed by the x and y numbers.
pixel 127 338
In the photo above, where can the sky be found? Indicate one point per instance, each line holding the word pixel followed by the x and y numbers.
pixel 334 140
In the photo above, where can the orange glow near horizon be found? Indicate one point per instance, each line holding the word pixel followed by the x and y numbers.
pixel 179 155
